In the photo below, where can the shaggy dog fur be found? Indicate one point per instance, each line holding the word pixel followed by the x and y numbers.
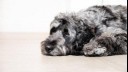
pixel 97 31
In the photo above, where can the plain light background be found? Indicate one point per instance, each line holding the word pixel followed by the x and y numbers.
pixel 36 15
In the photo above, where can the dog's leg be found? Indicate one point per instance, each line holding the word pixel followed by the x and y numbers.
pixel 104 46
pixel 121 42
pixel 93 48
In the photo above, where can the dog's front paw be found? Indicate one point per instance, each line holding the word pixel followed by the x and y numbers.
pixel 100 51
pixel 94 49
pixel 88 51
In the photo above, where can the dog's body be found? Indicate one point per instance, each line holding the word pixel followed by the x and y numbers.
pixel 97 31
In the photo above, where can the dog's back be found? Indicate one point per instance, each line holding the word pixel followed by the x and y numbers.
pixel 115 16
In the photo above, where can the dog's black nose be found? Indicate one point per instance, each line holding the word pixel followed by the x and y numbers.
pixel 48 49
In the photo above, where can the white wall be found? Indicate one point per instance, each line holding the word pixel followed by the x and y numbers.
pixel 115 2
pixel 29 15
pixel 76 5
pixel 36 15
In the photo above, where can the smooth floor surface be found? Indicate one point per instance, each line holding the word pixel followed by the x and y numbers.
pixel 20 52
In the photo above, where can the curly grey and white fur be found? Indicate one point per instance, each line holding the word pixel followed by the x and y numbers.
pixel 96 31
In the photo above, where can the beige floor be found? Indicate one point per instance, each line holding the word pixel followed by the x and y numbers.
pixel 20 52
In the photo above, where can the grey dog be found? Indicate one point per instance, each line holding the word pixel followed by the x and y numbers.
pixel 96 31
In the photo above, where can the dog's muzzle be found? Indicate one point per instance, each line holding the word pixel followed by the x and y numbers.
pixel 54 45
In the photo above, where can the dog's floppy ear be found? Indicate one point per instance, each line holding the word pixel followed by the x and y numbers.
pixel 91 26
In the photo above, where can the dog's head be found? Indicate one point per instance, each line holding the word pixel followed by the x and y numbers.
pixel 65 31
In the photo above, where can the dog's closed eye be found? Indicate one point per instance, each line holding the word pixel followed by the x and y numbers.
pixel 53 30
pixel 65 32
pixel 49 49
pixel 53 42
